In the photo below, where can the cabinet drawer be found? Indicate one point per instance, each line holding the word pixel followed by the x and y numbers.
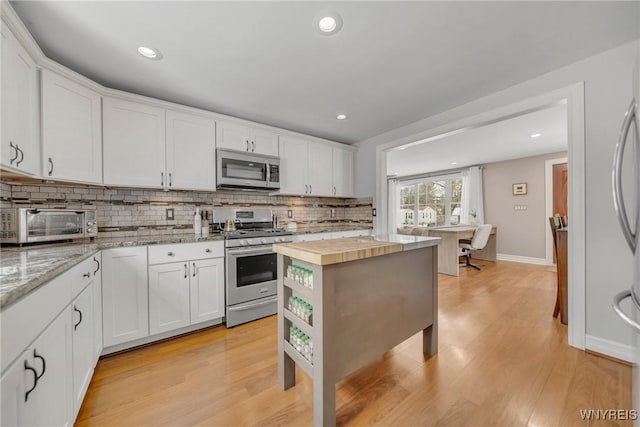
pixel 82 274
pixel 179 252
pixel 23 321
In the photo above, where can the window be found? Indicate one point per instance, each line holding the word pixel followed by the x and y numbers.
pixel 430 202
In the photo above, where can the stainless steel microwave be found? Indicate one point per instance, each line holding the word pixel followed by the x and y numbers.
pixel 248 171
pixel 29 225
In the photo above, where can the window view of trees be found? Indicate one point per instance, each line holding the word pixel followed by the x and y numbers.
pixel 431 203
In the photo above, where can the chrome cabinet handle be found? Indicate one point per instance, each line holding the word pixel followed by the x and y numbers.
pixel 98 267
pixel 618 198
pixel 310 189
pixel 21 155
pixel 247 141
pixel 169 179
pixel 185 271
pixel 194 269
pixel 306 189
pixel 35 380
pixel 334 191
pixel 253 146
pixel 15 147
pixel 79 321
pixel 616 307
pixel 50 166
pixel 162 179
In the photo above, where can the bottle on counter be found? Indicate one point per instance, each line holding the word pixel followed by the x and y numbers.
pixel 205 224
pixel 197 223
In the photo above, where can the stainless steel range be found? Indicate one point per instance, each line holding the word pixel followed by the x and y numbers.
pixel 250 263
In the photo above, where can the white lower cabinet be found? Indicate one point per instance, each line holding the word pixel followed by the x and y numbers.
pixel 83 349
pixel 97 307
pixel 207 290
pixel 185 293
pixel 125 314
pixel 168 297
pixel 36 390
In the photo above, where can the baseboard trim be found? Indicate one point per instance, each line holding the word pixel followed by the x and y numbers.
pixel 609 348
pixel 522 259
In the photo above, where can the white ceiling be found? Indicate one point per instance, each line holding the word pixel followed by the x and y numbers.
pixel 391 64
pixel 505 140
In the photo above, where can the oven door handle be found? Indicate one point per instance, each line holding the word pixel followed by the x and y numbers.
pixel 251 251
pixel 254 305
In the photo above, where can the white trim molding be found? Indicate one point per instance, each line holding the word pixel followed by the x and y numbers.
pixel 548 199
pixel 521 259
pixel 610 348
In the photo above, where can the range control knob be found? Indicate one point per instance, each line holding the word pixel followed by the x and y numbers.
pixel 263 240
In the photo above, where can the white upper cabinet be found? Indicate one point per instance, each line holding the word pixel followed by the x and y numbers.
pixel 71 131
pixel 307 168
pixel 191 156
pixel 233 136
pixel 320 167
pixel 293 166
pixel 20 149
pixel 343 173
pixel 133 144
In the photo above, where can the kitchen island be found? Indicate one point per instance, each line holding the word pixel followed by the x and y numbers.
pixel 342 303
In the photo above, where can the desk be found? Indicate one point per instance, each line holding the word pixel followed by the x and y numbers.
pixel 448 260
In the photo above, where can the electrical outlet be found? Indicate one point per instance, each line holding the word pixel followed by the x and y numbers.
pixel 374 212
pixel 170 215
pixel 333 213
pixel 289 213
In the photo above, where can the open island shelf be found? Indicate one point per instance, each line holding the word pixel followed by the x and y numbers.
pixel 368 295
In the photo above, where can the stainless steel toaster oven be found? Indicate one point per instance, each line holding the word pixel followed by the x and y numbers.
pixel 29 225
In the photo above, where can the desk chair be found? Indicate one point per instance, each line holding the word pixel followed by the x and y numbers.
pixel 556 224
pixel 476 243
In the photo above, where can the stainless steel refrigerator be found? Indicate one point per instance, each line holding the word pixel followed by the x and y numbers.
pixel 628 147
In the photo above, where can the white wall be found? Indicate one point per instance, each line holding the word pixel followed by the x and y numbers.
pixel 608 89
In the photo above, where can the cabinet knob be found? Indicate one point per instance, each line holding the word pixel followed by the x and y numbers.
pixel 86 275
pixel 171 254
pixel 208 250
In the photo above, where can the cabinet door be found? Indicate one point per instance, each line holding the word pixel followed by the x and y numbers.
pixel 133 144
pixel 97 307
pixel 190 152
pixel 71 130
pixel 232 136
pixel 83 350
pixel 125 313
pixel 320 170
pixel 168 297
pixel 36 390
pixel 207 290
pixel 20 150
pixel 343 173
pixel 264 142
pixel 293 166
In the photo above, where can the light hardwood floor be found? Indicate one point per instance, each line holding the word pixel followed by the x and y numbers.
pixel 503 361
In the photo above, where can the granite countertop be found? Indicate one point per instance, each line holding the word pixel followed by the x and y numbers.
pixel 334 251
pixel 23 269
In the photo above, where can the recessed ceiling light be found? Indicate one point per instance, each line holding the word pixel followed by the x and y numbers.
pixel 328 23
pixel 149 52
pixel 454 163
pixel 341 117
pixel 535 135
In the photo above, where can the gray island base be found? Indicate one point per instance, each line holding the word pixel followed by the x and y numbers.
pixel 351 301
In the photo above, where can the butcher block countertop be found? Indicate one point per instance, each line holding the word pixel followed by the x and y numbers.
pixel 334 251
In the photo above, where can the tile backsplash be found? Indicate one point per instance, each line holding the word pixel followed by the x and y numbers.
pixel 127 211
